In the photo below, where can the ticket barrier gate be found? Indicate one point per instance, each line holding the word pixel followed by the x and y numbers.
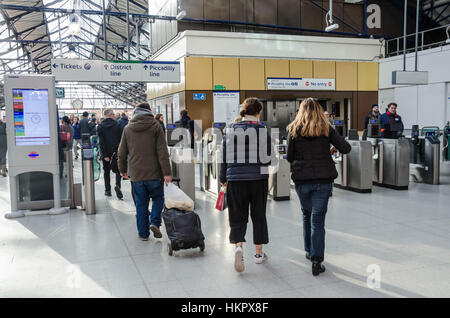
pixel 425 154
pixel 373 129
pixel 355 171
pixel 211 161
pixel 391 158
pixel 280 176
pixel 36 191
pixel 90 171
pixel 183 168
pixel 446 148
pixel 340 127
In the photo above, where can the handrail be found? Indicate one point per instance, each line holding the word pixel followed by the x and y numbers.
pixel 397 50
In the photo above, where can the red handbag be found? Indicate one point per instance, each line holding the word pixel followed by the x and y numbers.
pixel 221 203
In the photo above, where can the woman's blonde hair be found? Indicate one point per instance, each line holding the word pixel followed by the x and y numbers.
pixel 311 119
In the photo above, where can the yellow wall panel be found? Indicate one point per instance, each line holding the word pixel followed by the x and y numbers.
pixel 367 76
pixel 346 76
pixel 300 69
pixel 251 74
pixel 198 73
pixel 226 73
pixel 277 68
pixel 324 69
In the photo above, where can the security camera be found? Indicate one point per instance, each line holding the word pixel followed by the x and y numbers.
pixel 332 27
pixel 181 15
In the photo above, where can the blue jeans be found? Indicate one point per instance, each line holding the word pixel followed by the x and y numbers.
pixel 314 202
pixel 143 191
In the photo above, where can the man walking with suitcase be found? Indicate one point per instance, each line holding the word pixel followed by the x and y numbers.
pixel 109 133
pixel 149 166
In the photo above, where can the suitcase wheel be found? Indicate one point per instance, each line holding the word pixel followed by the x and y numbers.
pixel 202 245
pixel 169 249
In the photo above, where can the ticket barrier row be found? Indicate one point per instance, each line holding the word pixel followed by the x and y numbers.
pixel 425 154
pixel 373 161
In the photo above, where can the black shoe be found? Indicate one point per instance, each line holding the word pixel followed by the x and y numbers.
pixel 118 192
pixel 108 193
pixel 317 268
pixel 156 231
pixel 308 256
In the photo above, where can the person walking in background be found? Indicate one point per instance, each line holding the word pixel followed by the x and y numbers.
pixel 144 142
pixel 66 127
pixel 313 171
pixel 3 146
pixel 374 114
pixel 123 121
pixel 93 125
pixel 84 125
pixel 187 123
pixel 246 182
pixel 72 118
pixel 391 123
pixel 76 136
pixel 109 133
pixel 160 119
pixel 117 116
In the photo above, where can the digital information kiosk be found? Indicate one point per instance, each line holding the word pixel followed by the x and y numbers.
pixel 32 136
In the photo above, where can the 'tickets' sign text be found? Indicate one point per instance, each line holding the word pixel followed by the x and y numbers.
pixel 115 71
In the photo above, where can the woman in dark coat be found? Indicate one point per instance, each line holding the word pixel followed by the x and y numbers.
pixel 313 171
pixel 160 119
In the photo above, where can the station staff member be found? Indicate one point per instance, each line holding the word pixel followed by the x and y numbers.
pixel 391 123
pixel 373 115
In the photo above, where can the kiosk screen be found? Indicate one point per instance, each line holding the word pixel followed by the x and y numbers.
pixel 31 117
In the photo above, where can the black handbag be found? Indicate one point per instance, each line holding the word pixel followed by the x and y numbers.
pixel 113 165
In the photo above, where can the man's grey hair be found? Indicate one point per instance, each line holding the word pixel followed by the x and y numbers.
pixel 108 112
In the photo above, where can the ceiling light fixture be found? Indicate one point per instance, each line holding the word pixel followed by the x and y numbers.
pixel 74 26
pixel 72 54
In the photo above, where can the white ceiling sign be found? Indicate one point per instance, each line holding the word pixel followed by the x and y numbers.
pixel 115 71
pixel 309 84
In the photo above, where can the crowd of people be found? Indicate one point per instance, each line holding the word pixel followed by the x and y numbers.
pixel 140 148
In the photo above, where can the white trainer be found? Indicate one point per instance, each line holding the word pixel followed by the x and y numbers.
pixel 239 259
pixel 260 258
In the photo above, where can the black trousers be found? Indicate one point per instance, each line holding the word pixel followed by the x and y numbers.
pixel 106 176
pixel 241 195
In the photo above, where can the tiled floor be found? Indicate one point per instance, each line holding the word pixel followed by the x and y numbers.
pixel 405 233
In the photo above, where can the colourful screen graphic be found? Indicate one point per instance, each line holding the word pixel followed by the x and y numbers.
pixel 31 118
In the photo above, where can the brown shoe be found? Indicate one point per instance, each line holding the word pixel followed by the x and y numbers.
pixel 156 231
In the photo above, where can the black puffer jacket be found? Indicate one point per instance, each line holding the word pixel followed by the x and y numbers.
pixel 310 157
pixel 109 133
pixel 252 167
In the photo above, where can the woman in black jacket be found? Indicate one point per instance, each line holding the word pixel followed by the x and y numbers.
pixel 247 151
pixel 313 171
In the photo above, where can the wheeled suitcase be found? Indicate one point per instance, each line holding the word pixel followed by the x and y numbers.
pixel 183 229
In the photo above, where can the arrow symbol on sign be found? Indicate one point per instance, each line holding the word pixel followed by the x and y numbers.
pixel 55 65
pixel 145 67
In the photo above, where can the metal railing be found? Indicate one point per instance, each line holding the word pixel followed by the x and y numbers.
pixel 427 39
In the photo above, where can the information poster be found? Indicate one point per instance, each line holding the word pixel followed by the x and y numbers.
pixel 226 106
pixel 176 107
pixel 31 118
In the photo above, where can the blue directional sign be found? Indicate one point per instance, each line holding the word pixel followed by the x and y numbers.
pixel 199 96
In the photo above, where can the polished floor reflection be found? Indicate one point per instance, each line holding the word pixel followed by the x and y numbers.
pixel 403 235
